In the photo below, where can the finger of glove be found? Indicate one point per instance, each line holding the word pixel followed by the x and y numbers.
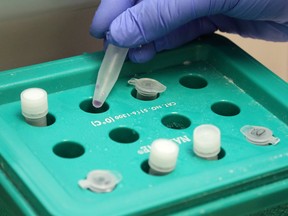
pixel 152 19
pixel 270 31
pixel 185 34
pixel 176 38
pixel 106 12
pixel 142 54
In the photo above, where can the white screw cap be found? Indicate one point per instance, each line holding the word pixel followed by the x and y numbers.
pixel 207 141
pixel 34 103
pixel 163 155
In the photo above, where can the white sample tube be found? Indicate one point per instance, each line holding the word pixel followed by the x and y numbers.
pixel 163 156
pixel 108 73
pixel 207 141
pixel 34 105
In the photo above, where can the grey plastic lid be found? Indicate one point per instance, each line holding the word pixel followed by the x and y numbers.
pixel 101 181
pixel 259 135
pixel 147 86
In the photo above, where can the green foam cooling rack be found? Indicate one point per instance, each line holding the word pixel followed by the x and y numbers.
pixel 210 81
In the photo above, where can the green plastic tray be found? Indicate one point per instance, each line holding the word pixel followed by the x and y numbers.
pixel 210 81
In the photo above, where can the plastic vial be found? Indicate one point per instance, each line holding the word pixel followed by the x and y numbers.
pixel 34 106
pixel 259 135
pixel 101 181
pixel 147 89
pixel 163 156
pixel 108 73
pixel 207 141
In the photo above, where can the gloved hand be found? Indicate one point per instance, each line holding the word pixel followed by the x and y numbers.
pixel 150 26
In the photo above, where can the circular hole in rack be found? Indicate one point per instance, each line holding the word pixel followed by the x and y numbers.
pixel 134 94
pixel 221 154
pixel 68 149
pixel 145 166
pixel 225 108
pixel 176 121
pixel 88 107
pixel 124 135
pixel 50 119
pixel 146 169
pixel 193 82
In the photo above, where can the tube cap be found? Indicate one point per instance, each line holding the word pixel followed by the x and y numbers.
pixel 259 135
pixel 163 155
pixel 34 103
pixel 207 141
pixel 147 87
pixel 101 181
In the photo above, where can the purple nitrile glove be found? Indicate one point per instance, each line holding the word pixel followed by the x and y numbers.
pixel 150 26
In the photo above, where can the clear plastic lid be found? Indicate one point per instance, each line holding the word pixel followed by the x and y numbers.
pixel 101 181
pixel 259 135
pixel 147 86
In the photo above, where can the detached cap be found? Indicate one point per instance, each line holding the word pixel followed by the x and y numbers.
pixel 259 135
pixel 101 181
pixel 34 103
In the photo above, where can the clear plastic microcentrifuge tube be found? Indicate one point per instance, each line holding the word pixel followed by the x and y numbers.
pixel 108 73
pixel 34 106
pixel 163 157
